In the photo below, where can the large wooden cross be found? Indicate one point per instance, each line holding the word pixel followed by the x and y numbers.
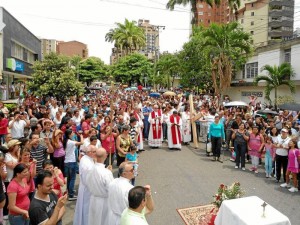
pixel 195 138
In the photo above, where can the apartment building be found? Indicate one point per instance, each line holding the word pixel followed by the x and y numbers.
pixel 267 21
pixel 48 46
pixel 273 54
pixel 72 48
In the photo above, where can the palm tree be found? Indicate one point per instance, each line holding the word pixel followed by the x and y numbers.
pixel 228 47
pixel 127 36
pixel 276 76
pixel 234 6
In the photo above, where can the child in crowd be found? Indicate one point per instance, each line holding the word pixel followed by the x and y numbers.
pixel 293 166
pixel 132 157
pixel 269 156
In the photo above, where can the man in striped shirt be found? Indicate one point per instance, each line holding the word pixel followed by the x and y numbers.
pixel 38 151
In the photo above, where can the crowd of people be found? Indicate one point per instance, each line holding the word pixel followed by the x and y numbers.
pixel 46 142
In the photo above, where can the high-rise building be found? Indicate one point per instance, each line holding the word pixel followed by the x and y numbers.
pixel 72 48
pixel 151 50
pixel 216 14
pixel 48 46
pixel 267 20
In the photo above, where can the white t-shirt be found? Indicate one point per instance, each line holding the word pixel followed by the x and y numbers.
pixel 70 152
pixel 10 172
pixel 17 130
pixel 285 143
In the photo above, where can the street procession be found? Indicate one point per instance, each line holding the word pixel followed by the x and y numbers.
pixel 192 117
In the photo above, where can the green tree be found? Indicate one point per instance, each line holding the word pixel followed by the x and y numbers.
pixel 276 76
pixel 131 69
pixel 228 47
pixel 194 62
pixel 91 69
pixel 54 77
pixel 168 66
pixel 127 36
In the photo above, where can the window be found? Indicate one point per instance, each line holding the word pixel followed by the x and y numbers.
pixel 251 70
pixel 252 13
pixel 208 21
pixel 252 23
pixel 19 52
pixel 252 32
pixel 242 20
pixel 200 6
pixel 287 55
pixel 252 5
pixel 209 14
pixel 200 13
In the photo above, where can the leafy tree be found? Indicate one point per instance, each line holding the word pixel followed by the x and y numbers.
pixel 91 69
pixel 276 76
pixel 127 36
pixel 132 68
pixel 228 47
pixel 54 77
pixel 194 62
pixel 168 67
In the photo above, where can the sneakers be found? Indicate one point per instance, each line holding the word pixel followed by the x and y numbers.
pixel 243 168
pixel 5 217
pixel 236 167
pixel 256 171
pixel 285 185
pixel 74 198
pixel 220 160
pixel 252 169
pixel 293 189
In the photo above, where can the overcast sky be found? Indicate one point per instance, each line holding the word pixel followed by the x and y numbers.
pixel 88 21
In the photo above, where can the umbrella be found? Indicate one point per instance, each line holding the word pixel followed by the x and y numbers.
pixel 169 93
pixel 146 89
pixel 162 90
pixel 133 88
pixel 290 106
pixel 154 95
pixel 267 112
pixel 235 103
pixel 128 89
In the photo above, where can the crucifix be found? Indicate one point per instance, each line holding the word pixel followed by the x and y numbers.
pixel 264 209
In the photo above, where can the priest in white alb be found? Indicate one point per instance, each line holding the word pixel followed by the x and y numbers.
pixel 155 119
pixel 139 127
pixel 83 199
pixel 174 131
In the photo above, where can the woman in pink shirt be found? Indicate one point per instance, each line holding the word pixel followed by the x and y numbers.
pixel 3 127
pixel 108 143
pixel 293 166
pixel 255 147
pixel 18 200
pixel 59 151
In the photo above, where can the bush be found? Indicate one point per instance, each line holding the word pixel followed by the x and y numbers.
pixel 285 99
pixel 10 106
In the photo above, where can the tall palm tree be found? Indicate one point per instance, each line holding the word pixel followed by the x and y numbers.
pixel 127 36
pixel 234 6
pixel 276 76
pixel 228 47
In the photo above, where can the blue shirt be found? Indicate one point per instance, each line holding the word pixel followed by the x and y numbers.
pixel 216 130
pixel 131 157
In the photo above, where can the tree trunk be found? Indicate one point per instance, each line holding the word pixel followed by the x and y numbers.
pixel 275 100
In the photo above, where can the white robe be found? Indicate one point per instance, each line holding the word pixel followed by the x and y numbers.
pixel 83 199
pixel 186 127
pixel 117 199
pixel 139 125
pixel 151 141
pixel 99 179
pixel 170 140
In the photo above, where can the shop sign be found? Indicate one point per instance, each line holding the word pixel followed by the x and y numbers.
pixel 14 65
pixel 255 93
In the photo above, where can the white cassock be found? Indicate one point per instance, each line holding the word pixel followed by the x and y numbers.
pixel 117 199
pixel 176 134
pixel 83 199
pixel 155 137
pixel 139 125
pixel 186 127
pixel 98 180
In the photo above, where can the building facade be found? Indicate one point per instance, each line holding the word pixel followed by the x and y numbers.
pixel 267 21
pixel 72 48
pixel 273 54
pixel 48 46
pixel 217 14
pixel 19 49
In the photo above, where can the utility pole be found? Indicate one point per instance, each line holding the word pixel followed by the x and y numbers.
pixel 157 28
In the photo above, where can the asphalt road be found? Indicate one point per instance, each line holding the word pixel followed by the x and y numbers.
pixel 186 178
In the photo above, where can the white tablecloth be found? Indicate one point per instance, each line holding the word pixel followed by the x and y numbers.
pixel 248 211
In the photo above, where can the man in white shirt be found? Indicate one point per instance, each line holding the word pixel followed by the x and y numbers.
pixel 118 193
pixel 99 179
pixel 140 203
pixel 17 125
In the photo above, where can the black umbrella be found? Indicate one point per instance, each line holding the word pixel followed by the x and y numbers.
pixel 290 106
pixel 267 112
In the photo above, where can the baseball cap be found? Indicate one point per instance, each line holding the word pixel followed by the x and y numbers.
pixel 284 130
